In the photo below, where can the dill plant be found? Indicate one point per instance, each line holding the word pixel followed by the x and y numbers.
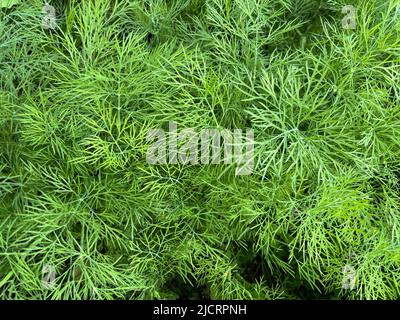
pixel 77 194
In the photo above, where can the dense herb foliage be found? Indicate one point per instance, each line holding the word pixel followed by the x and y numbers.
pixel 77 193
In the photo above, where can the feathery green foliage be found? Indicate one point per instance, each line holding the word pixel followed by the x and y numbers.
pixel 76 192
